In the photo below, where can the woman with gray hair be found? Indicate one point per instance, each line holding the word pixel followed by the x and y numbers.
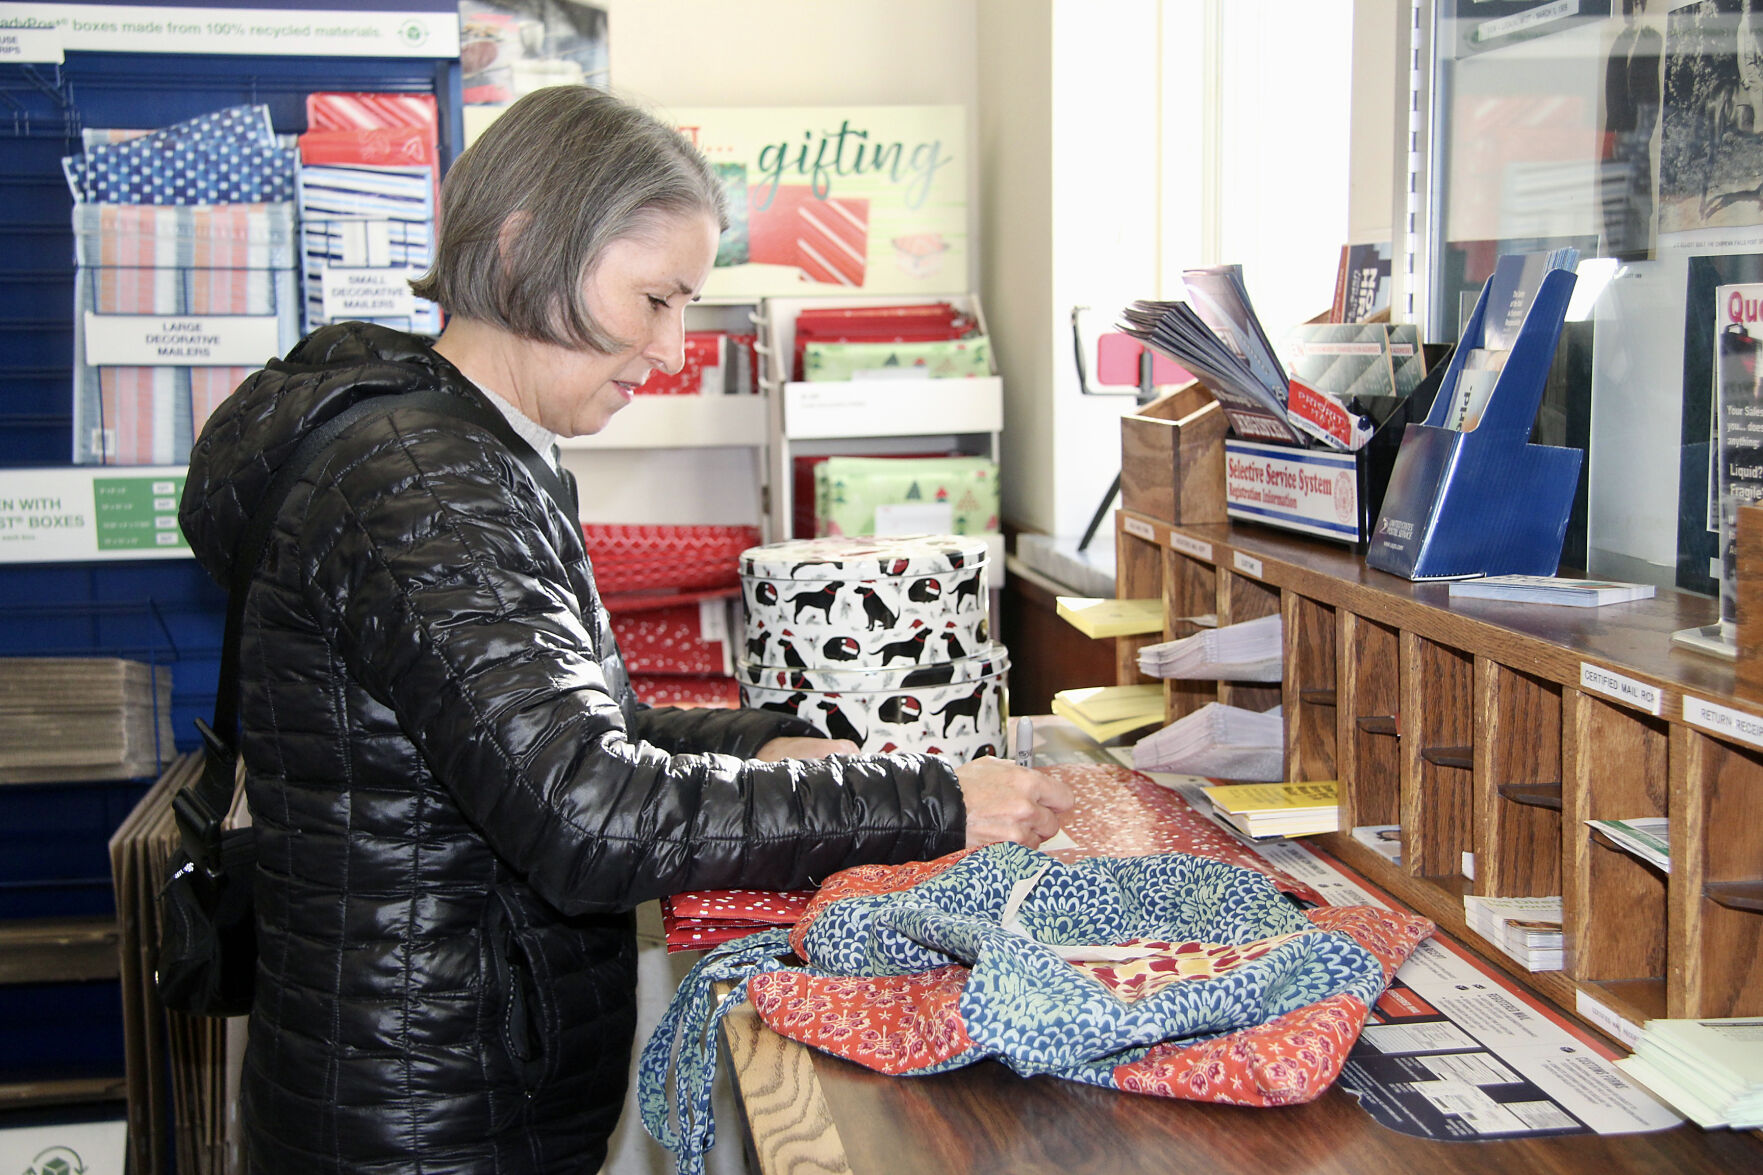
pixel 458 797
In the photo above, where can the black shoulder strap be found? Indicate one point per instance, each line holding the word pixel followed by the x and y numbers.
pixel 202 806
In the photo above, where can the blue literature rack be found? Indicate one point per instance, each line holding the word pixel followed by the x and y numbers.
pixel 1484 501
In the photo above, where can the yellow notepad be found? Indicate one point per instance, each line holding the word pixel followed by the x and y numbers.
pixel 1103 617
pixel 1275 798
pixel 1108 711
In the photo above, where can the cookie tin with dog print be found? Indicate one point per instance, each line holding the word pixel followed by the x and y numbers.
pixel 955 709
pixel 860 602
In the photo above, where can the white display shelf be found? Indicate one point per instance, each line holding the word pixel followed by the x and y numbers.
pixel 892 407
pixel 679 422
pixel 866 416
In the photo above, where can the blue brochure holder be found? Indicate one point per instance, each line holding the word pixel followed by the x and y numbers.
pixel 1484 502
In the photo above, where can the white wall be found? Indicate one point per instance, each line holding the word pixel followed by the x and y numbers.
pixel 1015 117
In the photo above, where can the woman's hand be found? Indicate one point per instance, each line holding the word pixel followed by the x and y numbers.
pixel 1006 801
pixel 779 749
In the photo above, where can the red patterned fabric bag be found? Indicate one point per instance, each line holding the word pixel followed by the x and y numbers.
pixel 1171 974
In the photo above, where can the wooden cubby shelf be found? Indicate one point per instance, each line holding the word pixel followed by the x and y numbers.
pixel 1535 795
pixel 1491 733
pixel 1736 895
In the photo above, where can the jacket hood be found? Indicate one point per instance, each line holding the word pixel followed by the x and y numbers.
pixel 257 428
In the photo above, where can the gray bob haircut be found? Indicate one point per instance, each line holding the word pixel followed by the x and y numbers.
pixel 568 170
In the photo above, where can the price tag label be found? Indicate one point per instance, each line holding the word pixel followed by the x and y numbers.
pixel 1624 689
pixel 1723 721
pixel 1139 528
pixel 1198 548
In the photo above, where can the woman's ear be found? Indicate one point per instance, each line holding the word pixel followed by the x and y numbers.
pixel 508 236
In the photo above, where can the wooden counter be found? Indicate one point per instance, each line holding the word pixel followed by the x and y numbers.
pixel 807 1111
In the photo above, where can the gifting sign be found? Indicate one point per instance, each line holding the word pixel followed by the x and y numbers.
pixel 837 199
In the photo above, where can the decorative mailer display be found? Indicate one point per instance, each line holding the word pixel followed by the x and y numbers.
pixel 837 199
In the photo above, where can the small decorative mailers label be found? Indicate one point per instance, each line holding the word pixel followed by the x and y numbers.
pixel 1198 548
pixel 1139 528
pixel 1723 721
pixel 1624 689
pixel 155 340
pixel 1247 564
pixel 359 292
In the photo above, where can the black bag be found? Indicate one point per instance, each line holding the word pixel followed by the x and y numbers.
pixel 207 931
pixel 207 924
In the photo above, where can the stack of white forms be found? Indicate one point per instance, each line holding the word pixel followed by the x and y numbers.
pixel 1249 651
pixel 1218 741
pixel 1527 929
pixel 1710 1070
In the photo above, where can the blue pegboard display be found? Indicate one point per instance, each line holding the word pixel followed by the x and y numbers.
pixel 43 110
pixel 53 850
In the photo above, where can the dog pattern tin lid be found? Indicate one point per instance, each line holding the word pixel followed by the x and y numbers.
pixel 863 557
pixel 897 605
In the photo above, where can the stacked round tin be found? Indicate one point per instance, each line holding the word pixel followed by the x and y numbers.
pixel 883 641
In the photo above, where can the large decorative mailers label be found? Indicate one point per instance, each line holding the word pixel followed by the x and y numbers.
pixel 849 199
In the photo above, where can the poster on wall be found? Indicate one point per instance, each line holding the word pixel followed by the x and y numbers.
pixel 1711 151
pixel 1738 334
pixel 1699 475
pixel 837 200
pixel 1628 125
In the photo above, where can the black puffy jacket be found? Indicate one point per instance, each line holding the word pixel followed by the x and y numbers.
pixel 457 795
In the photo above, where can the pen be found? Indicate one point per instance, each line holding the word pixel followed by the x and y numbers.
pixel 1025 742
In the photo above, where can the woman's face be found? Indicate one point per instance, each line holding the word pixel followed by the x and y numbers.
pixel 638 292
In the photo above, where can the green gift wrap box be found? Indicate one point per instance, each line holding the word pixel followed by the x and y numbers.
pixel 848 491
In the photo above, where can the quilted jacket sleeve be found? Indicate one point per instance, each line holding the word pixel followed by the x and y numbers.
pixel 732 732
pixel 442 583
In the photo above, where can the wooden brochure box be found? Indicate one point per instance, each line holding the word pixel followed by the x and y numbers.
pixel 1172 457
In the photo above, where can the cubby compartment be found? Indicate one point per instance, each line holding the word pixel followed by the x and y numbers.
pixel 1489 735
pixel 1193 591
pixel 1437 795
pixel 1517 742
pixel 1716 923
pixel 1240 598
pixel 1616 763
pixel 1307 688
pixel 1367 735
pixel 1138 575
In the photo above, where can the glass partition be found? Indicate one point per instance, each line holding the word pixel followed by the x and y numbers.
pixel 1632 131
